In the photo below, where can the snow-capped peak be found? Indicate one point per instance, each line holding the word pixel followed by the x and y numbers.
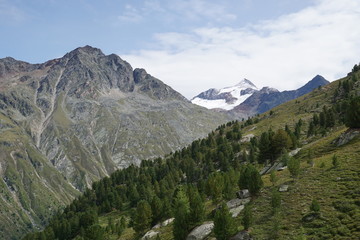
pixel 226 98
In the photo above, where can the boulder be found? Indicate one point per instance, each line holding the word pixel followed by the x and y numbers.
pixel 201 232
pixel 247 138
pixel 244 193
pixel 294 152
pixel 236 211
pixel 346 137
pixel 167 222
pixel 164 223
pixel 310 217
pixel 243 235
pixel 149 235
pixel 237 202
pixel 283 188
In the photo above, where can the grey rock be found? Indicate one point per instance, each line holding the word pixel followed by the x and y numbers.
pixel 242 236
pixel 294 152
pixel 283 188
pixel 164 223
pixel 201 232
pixel 244 193
pixel 150 234
pixel 247 138
pixel 346 137
pixel 236 211
pixel 237 202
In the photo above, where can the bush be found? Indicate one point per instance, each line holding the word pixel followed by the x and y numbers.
pixel 315 207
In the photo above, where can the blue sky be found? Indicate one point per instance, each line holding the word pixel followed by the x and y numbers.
pixel 193 45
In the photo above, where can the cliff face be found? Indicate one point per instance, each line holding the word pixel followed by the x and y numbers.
pixel 70 121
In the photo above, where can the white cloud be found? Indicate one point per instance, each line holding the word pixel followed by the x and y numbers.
pixel 283 53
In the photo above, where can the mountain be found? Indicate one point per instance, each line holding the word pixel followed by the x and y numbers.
pixel 226 98
pixel 244 99
pixel 70 121
pixel 268 98
pixel 298 167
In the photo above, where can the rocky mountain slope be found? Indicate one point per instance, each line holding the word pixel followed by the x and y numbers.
pixel 73 120
pixel 245 99
pixel 268 98
pixel 292 173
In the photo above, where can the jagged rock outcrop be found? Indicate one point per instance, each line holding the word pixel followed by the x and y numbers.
pixel 346 137
pixel 73 120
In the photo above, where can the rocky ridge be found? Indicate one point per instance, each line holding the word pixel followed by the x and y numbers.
pixel 245 99
pixel 73 120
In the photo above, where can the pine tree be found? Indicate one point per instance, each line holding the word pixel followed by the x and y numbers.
pixel 224 225
pixel 294 167
pixel 181 214
pixel 197 207
pixel 353 113
pixel 142 219
pixel 281 140
pixel 275 200
pixel 264 147
pixel 215 186
pixel 273 177
pixel 156 209
pixel 335 161
pixel 247 219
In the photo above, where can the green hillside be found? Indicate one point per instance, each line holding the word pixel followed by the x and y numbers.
pixel 191 185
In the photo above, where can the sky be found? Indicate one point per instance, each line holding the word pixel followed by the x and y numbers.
pixel 194 45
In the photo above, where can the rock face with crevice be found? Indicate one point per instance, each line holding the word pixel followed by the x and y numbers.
pixel 70 121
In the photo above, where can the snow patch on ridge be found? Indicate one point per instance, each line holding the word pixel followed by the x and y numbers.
pixel 240 92
pixel 219 103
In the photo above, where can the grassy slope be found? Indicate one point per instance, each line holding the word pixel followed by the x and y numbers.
pixel 336 189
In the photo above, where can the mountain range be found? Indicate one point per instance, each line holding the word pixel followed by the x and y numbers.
pixel 245 99
pixel 70 121
pixel 289 173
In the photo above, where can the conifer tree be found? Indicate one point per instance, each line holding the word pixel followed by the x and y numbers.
pixel 156 209
pixel 197 207
pixel 353 113
pixel 215 186
pixel 142 220
pixel 181 214
pixel 247 219
pixel 294 167
pixel 224 225
pixel 275 200
pixel 264 147
pixel 250 179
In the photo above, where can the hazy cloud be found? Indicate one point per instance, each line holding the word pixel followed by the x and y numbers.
pixel 130 14
pixel 284 53
pixel 177 10
pixel 9 13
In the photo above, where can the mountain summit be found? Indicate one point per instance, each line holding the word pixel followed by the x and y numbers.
pixel 73 120
pixel 226 98
pixel 245 99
